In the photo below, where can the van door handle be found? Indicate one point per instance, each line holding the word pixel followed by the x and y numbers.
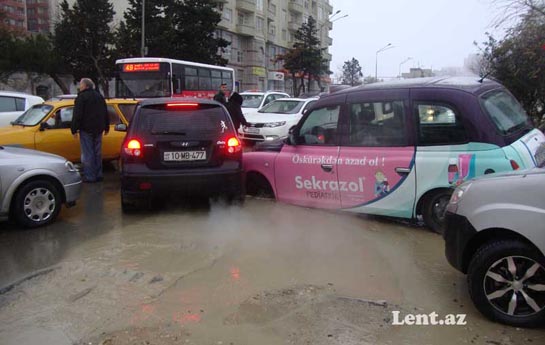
pixel 403 171
pixel 327 167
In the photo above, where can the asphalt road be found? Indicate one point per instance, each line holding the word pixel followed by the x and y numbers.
pixel 200 272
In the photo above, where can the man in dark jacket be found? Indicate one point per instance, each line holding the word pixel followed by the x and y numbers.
pixel 90 119
pixel 220 96
pixel 234 107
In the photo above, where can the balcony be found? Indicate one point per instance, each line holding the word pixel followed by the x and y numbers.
pixel 329 41
pixel 296 7
pixel 327 56
pixel 294 26
pixel 246 5
pixel 246 30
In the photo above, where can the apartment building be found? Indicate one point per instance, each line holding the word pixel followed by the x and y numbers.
pixel 260 30
pixel 14 14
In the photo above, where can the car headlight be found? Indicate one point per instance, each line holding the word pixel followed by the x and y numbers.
pixel 275 124
pixel 70 166
pixel 459 193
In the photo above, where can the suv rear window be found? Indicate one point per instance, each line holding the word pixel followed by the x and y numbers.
pixel 206 120
pixel 504 110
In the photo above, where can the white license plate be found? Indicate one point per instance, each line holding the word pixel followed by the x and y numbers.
pixel 184 156
pixel 251 130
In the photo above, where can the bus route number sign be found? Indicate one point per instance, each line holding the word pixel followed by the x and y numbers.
pixel 141 67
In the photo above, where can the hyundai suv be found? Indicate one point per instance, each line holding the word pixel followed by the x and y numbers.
pixel 182 147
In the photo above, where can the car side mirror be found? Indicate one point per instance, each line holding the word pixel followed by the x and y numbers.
pixel 43 126
pixel 120 127
pixel 292 136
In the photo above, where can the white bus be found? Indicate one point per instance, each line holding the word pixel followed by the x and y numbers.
pixel 151 77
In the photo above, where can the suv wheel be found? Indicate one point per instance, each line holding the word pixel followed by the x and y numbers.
pixel 506 282
pixel 37 203
pixel 434 208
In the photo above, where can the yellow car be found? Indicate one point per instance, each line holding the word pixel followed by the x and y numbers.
pixel 46 127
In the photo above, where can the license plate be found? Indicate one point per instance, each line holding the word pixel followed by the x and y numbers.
pixel 251 130
pixel 184 156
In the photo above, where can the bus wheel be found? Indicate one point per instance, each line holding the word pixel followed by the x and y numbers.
pixel 434 208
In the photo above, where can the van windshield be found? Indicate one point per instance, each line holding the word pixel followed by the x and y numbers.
pixel 505 111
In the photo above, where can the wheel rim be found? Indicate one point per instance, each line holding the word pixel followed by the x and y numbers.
pixel 515 285
pixel 39 204
pixel 440 208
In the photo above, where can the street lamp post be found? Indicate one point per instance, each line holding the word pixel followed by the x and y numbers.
pixel 401 64
pixel 143 44
pixel 386 47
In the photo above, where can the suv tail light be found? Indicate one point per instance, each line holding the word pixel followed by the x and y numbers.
pixel 133 148
pixel 233 145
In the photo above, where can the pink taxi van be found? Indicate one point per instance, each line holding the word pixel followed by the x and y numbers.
pixel 397 149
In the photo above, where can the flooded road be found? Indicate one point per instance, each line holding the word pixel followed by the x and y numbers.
pixel 209 273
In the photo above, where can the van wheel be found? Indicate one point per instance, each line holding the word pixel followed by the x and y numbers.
pixel 36 203
pixel 434 208
pixel 257 185
pixel 506 281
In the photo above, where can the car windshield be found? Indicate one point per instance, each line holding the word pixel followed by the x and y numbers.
pixel 251 101
pixel 506 113
pixel 283 107
pixel 34 115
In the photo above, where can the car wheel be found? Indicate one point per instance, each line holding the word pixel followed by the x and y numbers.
pixel 36 203
pixel 506 281
pixel 434 208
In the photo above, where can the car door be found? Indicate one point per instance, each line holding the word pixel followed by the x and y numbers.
pixel 56 136
pixel 111 143
pixel 376 161
pixel 306 171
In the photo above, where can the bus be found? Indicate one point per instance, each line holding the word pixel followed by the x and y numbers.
pixel 151 77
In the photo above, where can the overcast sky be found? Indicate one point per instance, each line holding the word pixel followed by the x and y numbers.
pixel 435 33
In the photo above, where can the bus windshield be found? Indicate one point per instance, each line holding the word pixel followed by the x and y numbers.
pixel 135 81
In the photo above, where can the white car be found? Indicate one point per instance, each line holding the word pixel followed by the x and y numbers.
pixel 13 104
pixel 274 120
pixel 253 101
pixel 494 233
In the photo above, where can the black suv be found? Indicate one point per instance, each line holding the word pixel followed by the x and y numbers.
pixel 179 146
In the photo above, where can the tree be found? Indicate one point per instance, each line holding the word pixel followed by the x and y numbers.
pixel 518 62
pixel 84 40
pixel 352 73
pixel 305 60
pixel 512 10
pixel 30 55
pixel 173 28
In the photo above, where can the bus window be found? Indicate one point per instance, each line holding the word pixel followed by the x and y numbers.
pixel 216 80
pixel 204 79
pixel 227 78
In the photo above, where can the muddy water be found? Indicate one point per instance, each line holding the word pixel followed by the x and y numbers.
pixel 264 273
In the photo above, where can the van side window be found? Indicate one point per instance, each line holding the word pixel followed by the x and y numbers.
pixel 439 125
pixel 377 124
pixel 7 104
pixel 320 127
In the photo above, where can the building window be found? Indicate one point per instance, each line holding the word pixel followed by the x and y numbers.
pixel 241 18
pixel 284 35
pixel 259 5
pixel 272 8
pixel 259 23
pixel 239 56
pixel 228 14
pixel 272 31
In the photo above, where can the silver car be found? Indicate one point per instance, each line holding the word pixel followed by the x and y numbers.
pixel 495 233
pixel 34 185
